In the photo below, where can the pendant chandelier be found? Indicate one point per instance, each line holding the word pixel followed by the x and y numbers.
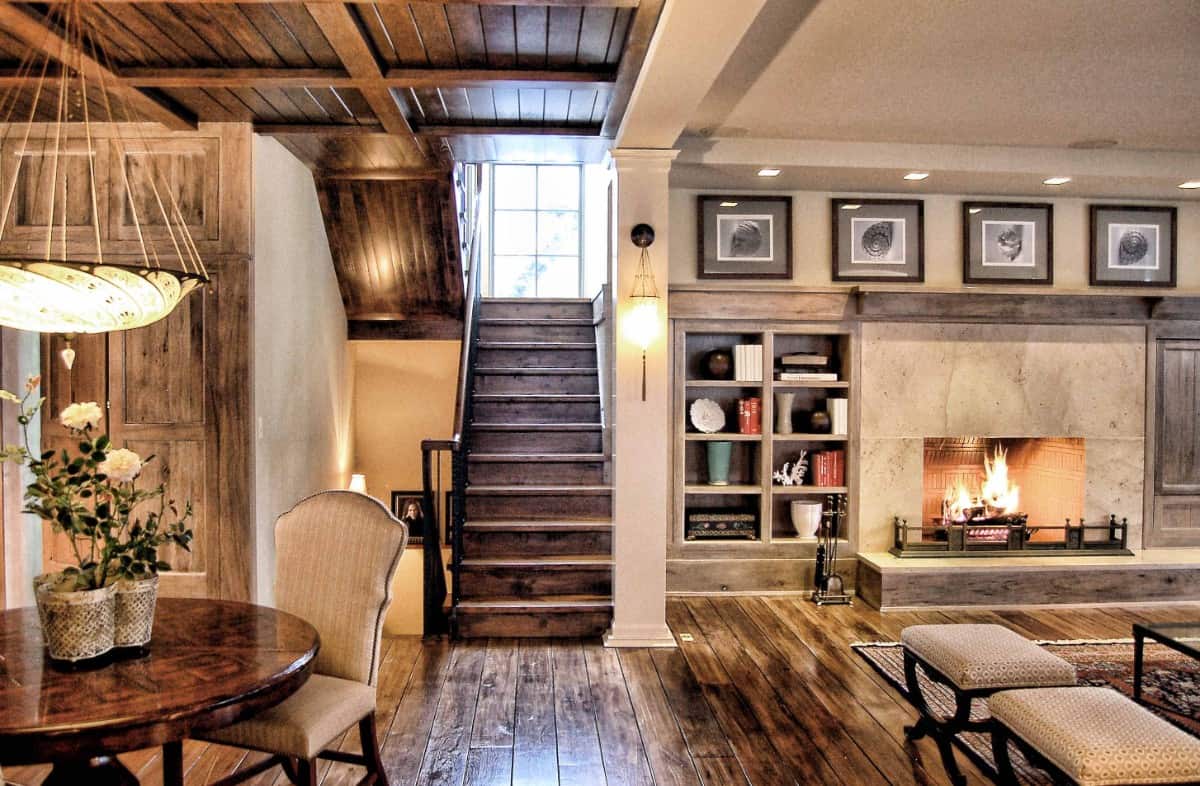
pixel 66 285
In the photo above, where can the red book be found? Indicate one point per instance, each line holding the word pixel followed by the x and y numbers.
pixel 743 416
pixel 755 406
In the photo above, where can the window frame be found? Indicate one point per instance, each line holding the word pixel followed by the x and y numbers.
pixel 537 211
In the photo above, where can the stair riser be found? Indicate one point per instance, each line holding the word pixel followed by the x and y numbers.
pixel 579 473
pixel 586 384
pixel 589 624
pixel 537 333
pixel 535 309
pixel 538 507
pixel 510 544
pixel 536 441
pixel 536 412
pixel 525 582
pixel 537 358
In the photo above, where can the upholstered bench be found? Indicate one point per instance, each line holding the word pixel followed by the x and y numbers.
pixel 1091 737
pixel 973 661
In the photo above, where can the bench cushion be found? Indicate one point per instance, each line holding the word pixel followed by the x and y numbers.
pixel 982 657
pixel 1098 736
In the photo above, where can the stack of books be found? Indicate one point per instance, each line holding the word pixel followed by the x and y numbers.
pixel 828 468
pixel 749 415
pixel 800 368
pixel 747 362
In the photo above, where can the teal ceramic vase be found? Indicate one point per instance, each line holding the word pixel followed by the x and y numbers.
pixel 718 462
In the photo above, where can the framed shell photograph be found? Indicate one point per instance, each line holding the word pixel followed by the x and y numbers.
pixel 745 237
pixel 1132 246
pixel 1008 243
pixel 878 240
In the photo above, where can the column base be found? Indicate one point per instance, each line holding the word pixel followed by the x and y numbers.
pixel 639 636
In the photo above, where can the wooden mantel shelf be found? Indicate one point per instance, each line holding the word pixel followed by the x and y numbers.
pixel 921 304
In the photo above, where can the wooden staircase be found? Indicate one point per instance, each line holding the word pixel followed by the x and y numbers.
pixel 537 541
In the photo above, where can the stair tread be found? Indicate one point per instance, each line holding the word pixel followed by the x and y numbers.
pixel 537 426
pixel 515 490
pixel 547 561
pixel 536 300
pixel 536 321
pixel 536 397
pixel 501 458
pixel 539 603
pixel 596 525
pixel 537 345
pixel 539 371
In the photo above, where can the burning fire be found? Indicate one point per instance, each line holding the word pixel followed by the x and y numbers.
pixel 996 495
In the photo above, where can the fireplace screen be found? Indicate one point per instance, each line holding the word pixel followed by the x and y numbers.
pixel 1003 481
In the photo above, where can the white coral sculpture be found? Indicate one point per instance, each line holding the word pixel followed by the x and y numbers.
pixel 793 472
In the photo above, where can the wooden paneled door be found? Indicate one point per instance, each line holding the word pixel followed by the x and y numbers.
pixel 1176 509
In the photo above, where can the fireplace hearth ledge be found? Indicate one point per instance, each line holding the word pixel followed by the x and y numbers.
pixel 890 583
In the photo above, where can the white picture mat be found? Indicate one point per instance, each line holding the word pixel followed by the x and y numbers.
pixel 896 255
pixel 989 230
pixel 732 220
pixel 1116 231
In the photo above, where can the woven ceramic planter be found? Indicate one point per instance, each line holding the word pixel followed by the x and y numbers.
pixel 134 611
pixel 75 625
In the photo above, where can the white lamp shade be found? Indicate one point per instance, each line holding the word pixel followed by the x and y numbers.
pixel 641 322
pixel 358 483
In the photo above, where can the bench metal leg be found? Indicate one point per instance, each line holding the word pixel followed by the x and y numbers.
pixel 942 731
pixel 1005 776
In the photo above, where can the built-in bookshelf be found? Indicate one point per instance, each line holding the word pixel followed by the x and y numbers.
pixel 755 457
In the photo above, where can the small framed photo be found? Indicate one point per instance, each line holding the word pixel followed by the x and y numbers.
pixel 878 240
pixel 1133 246
pixel 1008 243
pixel 409 507
pixel 745 237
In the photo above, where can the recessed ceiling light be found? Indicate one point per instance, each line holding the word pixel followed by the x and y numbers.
pixel 1190 184
pixel 916 176
pixel 1056 181
pixel 769 172
pixel 851 207
pixel 729 204
pixel 974 210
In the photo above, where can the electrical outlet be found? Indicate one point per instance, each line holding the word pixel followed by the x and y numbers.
pixel 259 428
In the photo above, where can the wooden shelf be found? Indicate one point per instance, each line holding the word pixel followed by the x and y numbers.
pixel 839 385
pixel 722 383
pixel 722 437
pixel 809 437
pixel 799 491
pixel 802 539
pixel 704 488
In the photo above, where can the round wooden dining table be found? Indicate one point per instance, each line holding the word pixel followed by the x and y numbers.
pixel 210 664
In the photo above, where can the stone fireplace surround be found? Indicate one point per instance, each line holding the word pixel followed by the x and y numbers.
pixel 923 380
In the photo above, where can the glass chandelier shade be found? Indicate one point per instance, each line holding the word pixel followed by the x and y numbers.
pixel 62 88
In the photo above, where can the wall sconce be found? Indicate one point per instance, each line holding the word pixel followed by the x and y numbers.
pixel 358 483
pixel 641 323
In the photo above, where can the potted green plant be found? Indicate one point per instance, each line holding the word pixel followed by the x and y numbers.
pixel 107 598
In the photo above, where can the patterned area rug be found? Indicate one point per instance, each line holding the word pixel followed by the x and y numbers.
pixel 1170 687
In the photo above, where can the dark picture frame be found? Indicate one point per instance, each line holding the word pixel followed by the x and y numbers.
pixel 1132 245
pixel 416 528
pixel 744 237
pixel 1008 243
pixel 878 240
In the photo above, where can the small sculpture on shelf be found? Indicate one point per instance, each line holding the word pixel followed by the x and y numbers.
pixel 792 473
pixel 718 364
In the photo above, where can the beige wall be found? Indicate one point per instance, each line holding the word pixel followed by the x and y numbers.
pixel 21 539
pixel 812 238
pixel 404 392
pixel 302 374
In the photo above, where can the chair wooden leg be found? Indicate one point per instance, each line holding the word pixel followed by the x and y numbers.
pixel 370 747
pixel 306 772
pixel 173 763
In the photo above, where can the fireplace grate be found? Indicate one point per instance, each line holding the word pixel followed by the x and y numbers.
pixel 1015 537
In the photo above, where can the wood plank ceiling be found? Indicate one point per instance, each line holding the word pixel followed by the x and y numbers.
pixel 377 98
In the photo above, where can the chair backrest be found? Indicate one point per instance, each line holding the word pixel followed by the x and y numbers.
pixel 336 553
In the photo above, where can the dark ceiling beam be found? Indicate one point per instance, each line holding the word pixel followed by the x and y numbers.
pixel 637 44
pixel 335 77
pixel 560 3
pixel 338 25
pixel 320 129
pixel 500 78
pixel 35 34
pixel 405 329
pixel 384 174
pixel 452 130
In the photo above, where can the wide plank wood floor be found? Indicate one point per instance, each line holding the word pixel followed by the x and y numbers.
pixel 761 691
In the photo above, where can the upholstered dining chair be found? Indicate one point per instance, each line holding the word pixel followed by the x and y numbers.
pixel 336 553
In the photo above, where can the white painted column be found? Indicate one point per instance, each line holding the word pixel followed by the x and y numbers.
pixel 641 460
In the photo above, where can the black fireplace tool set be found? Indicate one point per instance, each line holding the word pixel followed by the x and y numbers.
pixel 829 587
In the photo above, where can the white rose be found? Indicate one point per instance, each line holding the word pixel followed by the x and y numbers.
pixel 82 416
pixel 121 465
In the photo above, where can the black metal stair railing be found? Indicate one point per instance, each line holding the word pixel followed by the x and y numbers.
pixel 433 452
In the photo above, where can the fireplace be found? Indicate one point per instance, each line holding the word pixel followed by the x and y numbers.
pixel 991 495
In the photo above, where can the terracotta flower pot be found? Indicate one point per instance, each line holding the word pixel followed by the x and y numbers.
pixel 75 625
pixel 135 604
